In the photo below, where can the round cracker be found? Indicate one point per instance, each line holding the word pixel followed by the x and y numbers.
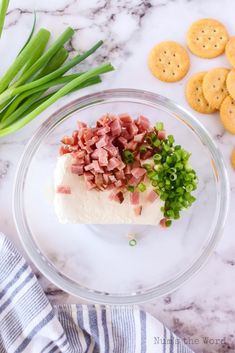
pixel 233 158
pixel 195 96
pixel 231 83
pixel 168 61
pixel 214 86
pixel 207 38
pixel 227 114
pixel 230 51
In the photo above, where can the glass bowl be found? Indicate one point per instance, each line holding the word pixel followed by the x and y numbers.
pixel 95 262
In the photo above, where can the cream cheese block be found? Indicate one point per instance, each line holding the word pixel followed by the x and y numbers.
pixel 95 207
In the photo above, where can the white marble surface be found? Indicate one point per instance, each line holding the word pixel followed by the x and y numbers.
pixel 205 306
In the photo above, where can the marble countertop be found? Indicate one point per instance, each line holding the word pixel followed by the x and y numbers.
pixel 203 309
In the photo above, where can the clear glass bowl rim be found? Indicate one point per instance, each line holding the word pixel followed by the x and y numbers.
pixel 44 265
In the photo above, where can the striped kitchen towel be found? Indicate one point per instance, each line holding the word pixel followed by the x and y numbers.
pixel 28 322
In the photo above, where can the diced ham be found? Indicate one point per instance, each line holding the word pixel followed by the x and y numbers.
pixel 75 137
pixel 63 150
pixel 87 159
pixel 121 142
pixel 88 176
pixel 63 189
pixel 152 196
pixel 139 137
pixel 95 154
pixel 103 157
pixel 73 148
pixel 80 154
pixel 99 180
pixel 89 166
pixel 161 135
pixel 138 172
pixel 81 144
pixel 81 125
pixel 132 129
pixel 136 164
pixel 115 127
pixel 103 131
pixel 106 178
pixel 120 174
pixel 146 155
pixel 116 196
pixel 102 141
pixel 121 165
pixel 79 161
pixel 163 222
pixel 131 145
pixel 87 134
pixel 134 197
pixel 113 163
pixel 125 134
pixel 110 187
pixel 119 197
pixel 105 120
pixel 92 141
pixel 112 178
pixel 88 149
pixel 97 167
pixel 125 118
pixel 118 184
pixel 143 123
pixel 77 169
pixel 111 149
pixel 128 169
pixel 138 210
pixel 90 185
pixel 67 140
pixel 134 182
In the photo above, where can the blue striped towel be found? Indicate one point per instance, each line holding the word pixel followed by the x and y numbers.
pixel 28 322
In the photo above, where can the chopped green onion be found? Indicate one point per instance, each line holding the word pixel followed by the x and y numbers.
pixel 170 213
pixel 166 147
pixel 128 156
pixel 171 139
pixel 156 143
pixel 157 157
pixel 168 223
pixel 143 149
pixel 173 176
pixel 142 187
pixel 132 242
pixel 189 188
pixel 131 188
pixel 147 166
pixel 179 166
pixel 159 126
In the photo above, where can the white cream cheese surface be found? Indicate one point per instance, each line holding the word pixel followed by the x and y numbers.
pixel 94 207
